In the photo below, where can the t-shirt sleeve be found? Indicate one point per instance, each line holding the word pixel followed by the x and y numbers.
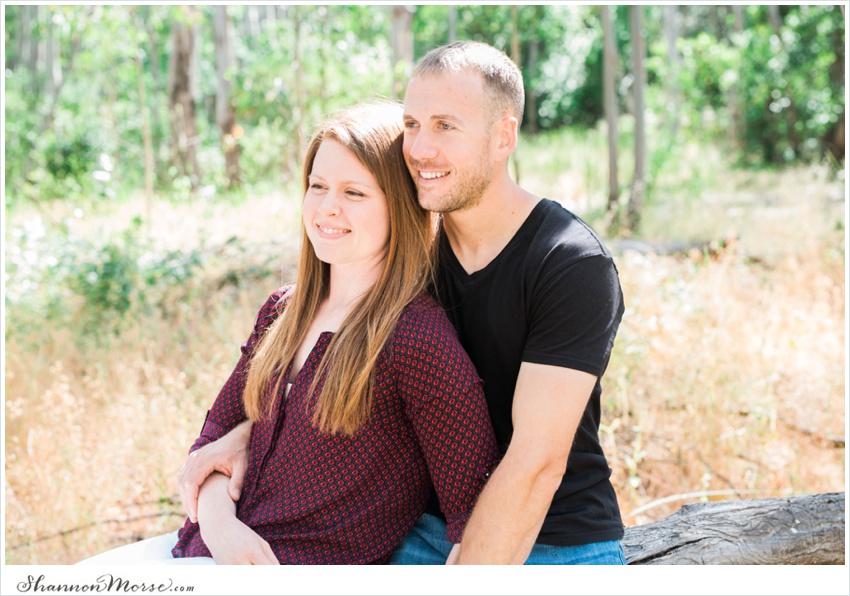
pixel 446 405
pixel 227 411
pixel 576 310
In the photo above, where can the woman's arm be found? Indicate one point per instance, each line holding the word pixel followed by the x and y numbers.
pixel 229 540
pixel 228 455
pixel 447 408
pixel 226 420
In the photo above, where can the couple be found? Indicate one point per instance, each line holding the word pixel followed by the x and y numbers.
pixel 355 396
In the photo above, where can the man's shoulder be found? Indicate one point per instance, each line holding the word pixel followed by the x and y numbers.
pixel 560 233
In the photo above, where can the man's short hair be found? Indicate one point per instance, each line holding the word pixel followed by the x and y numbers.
pixel 502 78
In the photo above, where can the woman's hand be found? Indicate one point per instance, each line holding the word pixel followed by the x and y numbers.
pixel 231 542
pixel 228 455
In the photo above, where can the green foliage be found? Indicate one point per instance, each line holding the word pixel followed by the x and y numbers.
pixel 89 284
pixel 772 95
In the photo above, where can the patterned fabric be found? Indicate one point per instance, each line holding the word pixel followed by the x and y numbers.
pixel 332 499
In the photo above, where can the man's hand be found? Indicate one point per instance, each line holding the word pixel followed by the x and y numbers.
pixel 228 455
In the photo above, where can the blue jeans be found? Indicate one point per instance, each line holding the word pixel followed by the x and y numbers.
pixel 426 544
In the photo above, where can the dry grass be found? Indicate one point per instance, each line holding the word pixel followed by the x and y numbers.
pixel 728 374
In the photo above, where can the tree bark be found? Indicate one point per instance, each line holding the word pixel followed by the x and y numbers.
pixel 225 113
pixel 638 188
pixel 609 69
pixel 144 110
pixel 806 530
pixel 182 105
pixel 674 61
pixel 452 23
pixel 401 42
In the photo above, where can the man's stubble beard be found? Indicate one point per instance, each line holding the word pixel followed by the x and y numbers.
pixel 465 194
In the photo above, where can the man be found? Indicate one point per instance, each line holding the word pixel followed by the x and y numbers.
pixel 536 301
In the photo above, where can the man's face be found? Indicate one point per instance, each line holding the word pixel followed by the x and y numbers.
pixel 448 140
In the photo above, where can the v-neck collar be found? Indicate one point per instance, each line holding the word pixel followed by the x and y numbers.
pixel 451 261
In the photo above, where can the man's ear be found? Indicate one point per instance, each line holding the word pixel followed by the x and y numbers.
pixel 507 136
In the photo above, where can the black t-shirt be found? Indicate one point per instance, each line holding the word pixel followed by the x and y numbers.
pixel 552 296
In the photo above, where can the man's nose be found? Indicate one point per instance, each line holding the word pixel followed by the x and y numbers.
pixel 421 146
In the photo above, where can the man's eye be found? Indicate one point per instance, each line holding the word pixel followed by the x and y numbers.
pixel 445 126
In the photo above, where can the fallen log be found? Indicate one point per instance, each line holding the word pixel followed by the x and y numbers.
pixel 804 530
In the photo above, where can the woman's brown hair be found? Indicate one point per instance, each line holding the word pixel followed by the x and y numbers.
pixel 373 132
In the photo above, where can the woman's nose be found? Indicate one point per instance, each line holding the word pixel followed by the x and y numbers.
pixel 330 204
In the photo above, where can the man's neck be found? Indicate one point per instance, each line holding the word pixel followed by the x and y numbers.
pixel 477 235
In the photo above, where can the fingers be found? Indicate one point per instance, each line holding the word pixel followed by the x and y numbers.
pixel 234 487
pixel 188 488
pixel 266 555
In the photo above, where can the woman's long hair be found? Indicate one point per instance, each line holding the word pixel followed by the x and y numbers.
pixel 373 132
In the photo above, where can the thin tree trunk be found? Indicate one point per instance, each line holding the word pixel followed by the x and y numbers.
pixel 515 47
pixel 609 69
pixel 452 23
pixel 30 46
pixel 225 113
pixel 299 108
pixel 674 59
pixel 53 59
pixel 147 138
pixel 401 42
pixel 738 11
pixel 530 95
pixel 638 188
pixel 182 104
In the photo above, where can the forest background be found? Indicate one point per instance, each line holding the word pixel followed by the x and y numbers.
pixel 151 200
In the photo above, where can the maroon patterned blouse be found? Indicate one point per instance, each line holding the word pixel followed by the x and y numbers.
pixel 332 499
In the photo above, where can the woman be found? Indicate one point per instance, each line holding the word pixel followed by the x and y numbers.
pixel 359 392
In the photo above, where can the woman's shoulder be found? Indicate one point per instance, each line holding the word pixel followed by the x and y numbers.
pixel 273 306
pixel 424 318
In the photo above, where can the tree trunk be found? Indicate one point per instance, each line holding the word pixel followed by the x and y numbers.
pixel 225 113
pixel 452 23
pixel 300 106
pixel 738 11
pixel 530 95
pixel 609 69
pixel 638 188
pixel 674 60
pixel 807 530
pixel 515 53
pixel 182 105
pixel 401 42
pixel 30 25
pixel 144 110
pixel 53 59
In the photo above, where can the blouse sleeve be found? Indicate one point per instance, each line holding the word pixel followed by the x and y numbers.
pixel 446 405
pixel 227 411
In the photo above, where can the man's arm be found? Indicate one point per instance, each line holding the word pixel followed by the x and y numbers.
pixel 228 455
pixel 548 405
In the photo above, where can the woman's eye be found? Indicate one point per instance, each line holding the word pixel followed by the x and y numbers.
pixel 355 194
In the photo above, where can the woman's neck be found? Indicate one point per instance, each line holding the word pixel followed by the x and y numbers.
pixel 349 283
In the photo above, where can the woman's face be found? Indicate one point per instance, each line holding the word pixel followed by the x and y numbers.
pixel 345 211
